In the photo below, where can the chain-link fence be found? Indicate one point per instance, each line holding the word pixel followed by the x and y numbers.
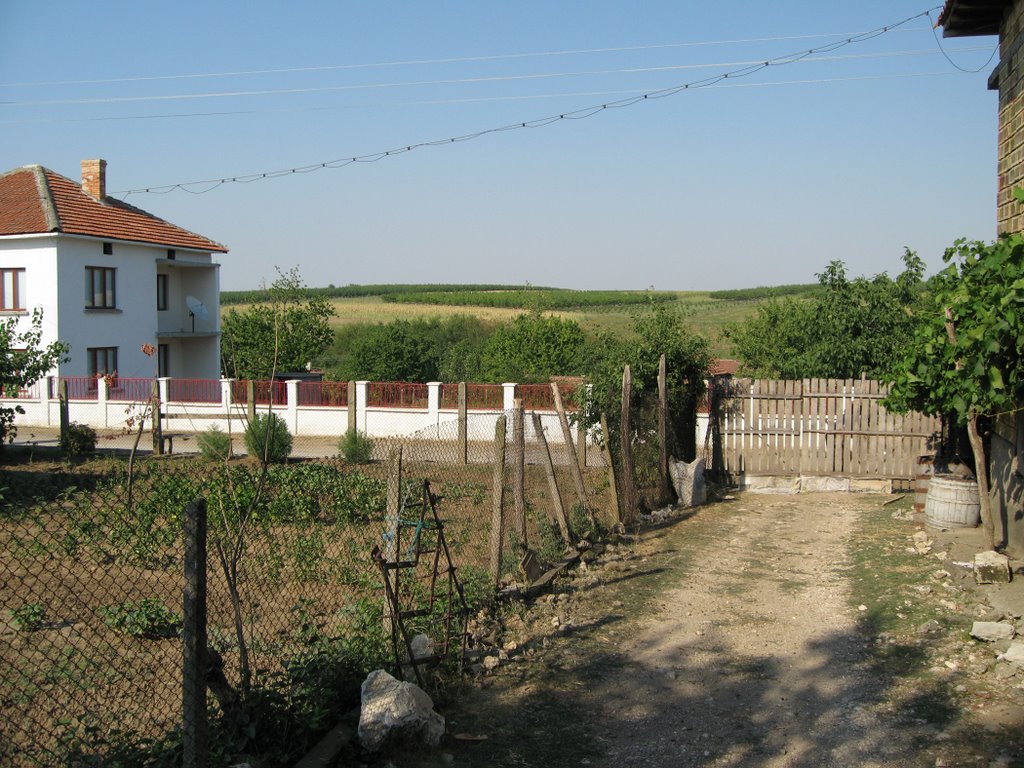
pixel 92 572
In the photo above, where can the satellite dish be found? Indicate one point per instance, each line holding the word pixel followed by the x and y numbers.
pixel 196 308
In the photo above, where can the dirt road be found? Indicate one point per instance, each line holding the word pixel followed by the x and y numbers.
pixel 756 659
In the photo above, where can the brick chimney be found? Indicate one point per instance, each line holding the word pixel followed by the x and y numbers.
pixel 94 178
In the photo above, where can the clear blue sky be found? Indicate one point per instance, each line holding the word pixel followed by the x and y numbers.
pixel 759 180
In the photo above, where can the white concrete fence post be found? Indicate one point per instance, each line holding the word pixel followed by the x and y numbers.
pixel 509 399
pixel 292 408
pixel 434 403
pixel 362 395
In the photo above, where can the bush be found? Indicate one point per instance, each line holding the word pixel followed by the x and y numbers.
pixel 356 447
pixel 267 437
pixel 78 440
pixel 149 618
pixel 215 444
pixel 28 617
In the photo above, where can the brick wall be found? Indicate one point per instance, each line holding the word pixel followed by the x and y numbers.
pixel 1010 214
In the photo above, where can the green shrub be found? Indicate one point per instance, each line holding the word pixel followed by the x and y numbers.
pixel 356 447
pixel 267 437
pixel 28 617
pixel 215 444
pixel 78 440
pixel 149 618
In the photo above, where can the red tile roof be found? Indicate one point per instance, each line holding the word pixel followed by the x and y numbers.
pixel 34 199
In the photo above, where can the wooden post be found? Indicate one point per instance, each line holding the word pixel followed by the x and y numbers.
pixel 193 711
pixel 394 504
pixel 156 421
pixel 664 489
pixel 519 471
pixel 574 467
pixel 497 499
pixel 627 486
pixel 250 400
pixel 352 406
pixel 463 446
pixel 556 498
pixel 393 514
pixel 616 511
pixel 65 413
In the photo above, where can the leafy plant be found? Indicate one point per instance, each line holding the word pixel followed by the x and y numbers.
pixel 356 447
pixel 78 440
pixel 148 618
pixel 967 354
pixel 23 361
pixel 28 617
pixel 215 444
pixel 267 438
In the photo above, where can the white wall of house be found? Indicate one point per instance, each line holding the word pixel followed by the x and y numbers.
pixel 55 280
pixel 37 255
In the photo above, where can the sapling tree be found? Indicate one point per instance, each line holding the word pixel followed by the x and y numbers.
pixel 23 361
pixel 967 355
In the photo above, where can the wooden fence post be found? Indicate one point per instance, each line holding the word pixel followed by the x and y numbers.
pixel 65 412
pixel 627 489
pixel 193 711
pixel 616 512
pixel 574 467
pixel 556 497
pixel 156 421
pixel 497 499
pixel 393 513
pixel 463 446
pixel 250 400
pixel 664 489
pixel 519 471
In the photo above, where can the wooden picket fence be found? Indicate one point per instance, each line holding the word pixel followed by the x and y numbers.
pixel 814 427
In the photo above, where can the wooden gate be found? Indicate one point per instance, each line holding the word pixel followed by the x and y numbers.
pixel 816 427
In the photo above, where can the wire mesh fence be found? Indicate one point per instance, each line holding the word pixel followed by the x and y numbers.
pixel 92 572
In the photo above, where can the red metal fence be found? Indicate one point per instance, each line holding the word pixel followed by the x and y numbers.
pixel 79 387
pixel 193 391
pixel 396 394
pixel 329 393
pixel 121 389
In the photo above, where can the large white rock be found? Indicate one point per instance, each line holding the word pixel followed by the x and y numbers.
pixel 991 568
pixel 1014 654
pixel 396 712
pixel 688 480
pixel 992 631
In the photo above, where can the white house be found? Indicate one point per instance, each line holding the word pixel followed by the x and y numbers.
pixel 109 277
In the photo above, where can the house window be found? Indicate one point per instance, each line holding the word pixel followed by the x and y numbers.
pixel 161 292
pixel 163 360
pixel 108 249
pixel 100 290
pixel 171 254
pixel 102 361
pixel 12 290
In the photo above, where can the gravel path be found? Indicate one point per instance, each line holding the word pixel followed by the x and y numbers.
pixel 755 660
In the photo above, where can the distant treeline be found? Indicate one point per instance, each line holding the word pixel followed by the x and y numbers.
pixel 767 292
pixel 531 298
pixel 357 291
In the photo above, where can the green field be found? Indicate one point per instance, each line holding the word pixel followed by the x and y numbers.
pixel 708 312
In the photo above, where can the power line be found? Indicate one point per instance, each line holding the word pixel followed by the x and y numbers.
pixel 464 80
pixel 202 187
pixel 942 49
pixel 418 62
pixel 468 100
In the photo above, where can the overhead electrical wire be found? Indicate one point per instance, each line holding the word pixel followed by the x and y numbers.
pixel 208 185
pixel 461 81
pixel 466 100
pixel 942 49
pixel 419 62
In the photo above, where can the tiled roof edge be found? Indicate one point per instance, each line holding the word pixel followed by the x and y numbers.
pixel 46 199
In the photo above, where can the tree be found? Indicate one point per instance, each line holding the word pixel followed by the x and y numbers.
pixel 854 327
pixel 286 331
pixel 967 354
pixel 24 361
pixel 532 348
pixel 393 352
pixel 687 357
